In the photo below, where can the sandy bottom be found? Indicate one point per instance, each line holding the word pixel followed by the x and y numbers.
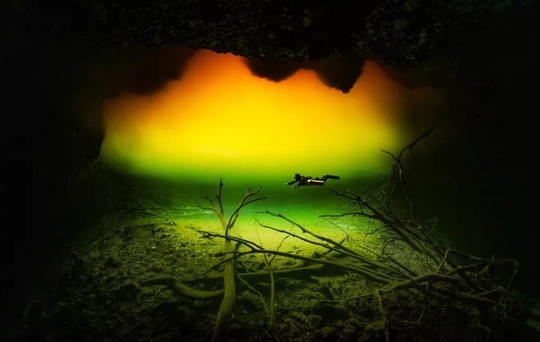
pixel 115 283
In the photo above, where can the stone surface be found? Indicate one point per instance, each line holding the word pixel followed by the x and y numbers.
pixel 396 31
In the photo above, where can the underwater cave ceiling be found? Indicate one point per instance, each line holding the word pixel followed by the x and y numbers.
pixel 36 38
pixel 35 35
pixel 394 31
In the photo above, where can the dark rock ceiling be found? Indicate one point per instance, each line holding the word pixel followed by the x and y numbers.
pixel 395 31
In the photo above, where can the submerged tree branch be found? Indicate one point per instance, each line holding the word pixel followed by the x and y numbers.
pixel 445 277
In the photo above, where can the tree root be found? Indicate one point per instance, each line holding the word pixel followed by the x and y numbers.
pixel 180 288
pixel 225 314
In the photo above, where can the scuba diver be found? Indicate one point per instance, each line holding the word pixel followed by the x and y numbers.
pixel 300 180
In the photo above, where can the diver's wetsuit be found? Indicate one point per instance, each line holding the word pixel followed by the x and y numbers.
pixel 300 180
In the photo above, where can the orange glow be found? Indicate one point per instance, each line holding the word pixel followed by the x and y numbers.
pixel 219 120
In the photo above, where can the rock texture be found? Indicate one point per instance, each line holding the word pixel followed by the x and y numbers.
pixel 396 31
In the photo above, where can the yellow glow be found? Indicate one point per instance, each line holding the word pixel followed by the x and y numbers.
pixel 219 120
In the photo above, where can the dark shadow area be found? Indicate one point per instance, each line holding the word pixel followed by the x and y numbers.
pixel 338 71
pixel 154 68
pixel 272 69
pixel 478 171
